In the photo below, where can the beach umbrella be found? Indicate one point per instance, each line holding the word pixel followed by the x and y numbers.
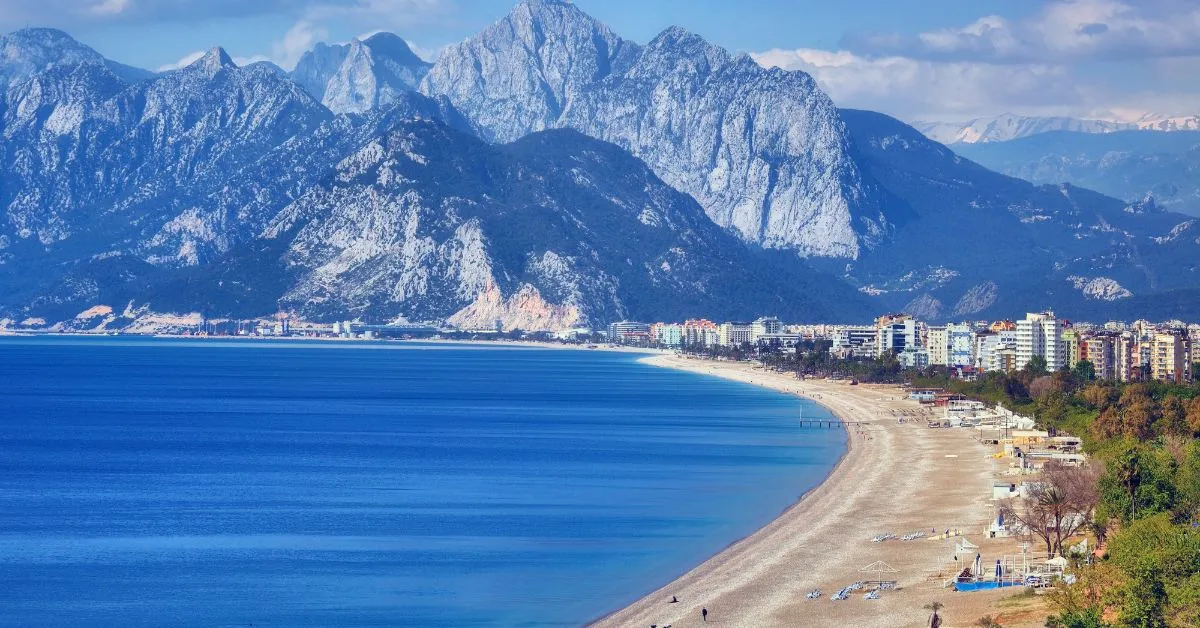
pixel 997 568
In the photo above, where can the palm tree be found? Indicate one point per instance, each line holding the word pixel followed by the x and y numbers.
pixel 934 620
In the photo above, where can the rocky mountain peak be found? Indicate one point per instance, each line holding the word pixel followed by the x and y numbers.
pixel 30 51
pixel 360 75
pixel 213 61
pixel 521 73
pixel 394 48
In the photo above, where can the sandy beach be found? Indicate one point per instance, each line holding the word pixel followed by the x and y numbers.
pixel 895 478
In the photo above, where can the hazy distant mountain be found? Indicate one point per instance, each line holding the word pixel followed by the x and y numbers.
pixel 983 243
pixel 1128 164
pixel 361 75
pixel 1010 127
pixel 1007 127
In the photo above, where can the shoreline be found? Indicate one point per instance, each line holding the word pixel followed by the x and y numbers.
pixel 824 539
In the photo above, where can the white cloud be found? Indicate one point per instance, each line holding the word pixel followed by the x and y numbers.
pixel 187 60
pixel 108 7
pixel 1087 58
pixel 193 57
pixel 1063 31
pixel 918 89
pixel 378 15
pixel 300 38
pixel 427 54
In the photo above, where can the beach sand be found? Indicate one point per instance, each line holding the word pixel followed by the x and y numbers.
pixel 895 478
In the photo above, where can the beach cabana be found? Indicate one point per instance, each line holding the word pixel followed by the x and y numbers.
pixel 882 572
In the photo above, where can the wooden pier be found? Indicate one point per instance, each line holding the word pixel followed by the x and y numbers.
pixel 829 423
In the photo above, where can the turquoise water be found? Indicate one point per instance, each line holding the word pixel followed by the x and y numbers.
pixel 228 483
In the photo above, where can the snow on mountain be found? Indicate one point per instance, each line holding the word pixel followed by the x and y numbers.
pixel 762 150
pixel 1156 122
pixel 1008 127
pixel 361 75
pixel 31 51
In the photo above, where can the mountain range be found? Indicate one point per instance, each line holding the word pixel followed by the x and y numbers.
pixel 542 174
pixel 1131 165
pixel 1008 127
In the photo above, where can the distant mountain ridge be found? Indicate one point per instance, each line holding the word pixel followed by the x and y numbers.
pixel 1131 165
pixel 1008 127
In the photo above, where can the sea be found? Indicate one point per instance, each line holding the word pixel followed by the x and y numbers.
pixel 207 482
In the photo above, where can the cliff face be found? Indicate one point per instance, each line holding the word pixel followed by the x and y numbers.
pixel 763 151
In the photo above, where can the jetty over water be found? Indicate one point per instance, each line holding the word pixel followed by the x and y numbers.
pixel 831 423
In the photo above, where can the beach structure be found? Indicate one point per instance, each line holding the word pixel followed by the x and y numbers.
pixel 882 574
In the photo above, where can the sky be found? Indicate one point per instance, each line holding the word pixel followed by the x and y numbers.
pixel 936 60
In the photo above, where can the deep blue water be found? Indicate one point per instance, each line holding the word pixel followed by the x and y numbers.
pixel 209 483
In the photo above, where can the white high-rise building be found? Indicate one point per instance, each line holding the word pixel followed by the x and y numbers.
pixel 1040 335
pixel 894 333
pixel 939 346
pixel 734 334
pixel 961 338
pixel 765 326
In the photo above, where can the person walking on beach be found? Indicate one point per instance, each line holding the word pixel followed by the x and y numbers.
pixel 704 614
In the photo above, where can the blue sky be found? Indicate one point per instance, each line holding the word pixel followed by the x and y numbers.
pixel 926 59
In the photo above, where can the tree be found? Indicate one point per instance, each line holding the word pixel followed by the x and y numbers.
pixel 1036 366
pixel 935 621
pixel 1087 598
pixel 1193 415
pixel 1173 417
pixel 1107 425
pixel 1145 599
pixel 1100 396
pixel 1137 481
pixel 1187 483
pixel 1138 418
pixel 1052 408
pixel 1084 370
pixel 1090 618
pixel 1044 385
pixel 1059 505
pixel 1160 562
